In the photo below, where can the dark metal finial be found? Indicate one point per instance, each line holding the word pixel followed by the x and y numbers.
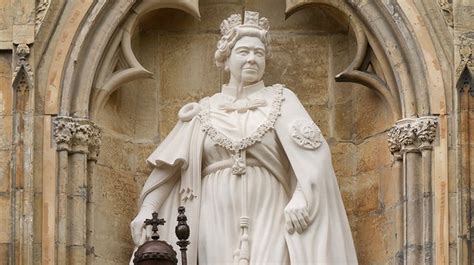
pixel 182 232
pixel 155 222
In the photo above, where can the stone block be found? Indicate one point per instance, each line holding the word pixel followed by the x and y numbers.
pixel 5 178
pixel 390 186
pixel 115 195
pixel 371 113
pixel 6 17
pixel 6 131
pixel 374 239
pixel 143 150
pixel 116 153
pixel 174 20
pixel 5 219
pixel 373 153
pixel 343 159
pixel 114 116
pixel 346 187
pixel 77 254
pixel 342 122
pixel 6 91
pixel 320 116
pixel 115 192
pixel 4 253
pixel 300 62
pixel 366 193
pixel 186 63
pixel 38 215
pixel 140 179
pixel 312 19
pixel 169 117
pixel 212 2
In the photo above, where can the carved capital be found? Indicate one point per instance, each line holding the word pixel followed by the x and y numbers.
pixel 407 134
pixel 82 136
pixel 77 135
pixel 95 142
pixel 426 131
pixel 394 144
pixel 412 135
pixel 63 130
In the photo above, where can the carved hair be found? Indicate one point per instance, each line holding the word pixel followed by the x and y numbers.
pixel 232 30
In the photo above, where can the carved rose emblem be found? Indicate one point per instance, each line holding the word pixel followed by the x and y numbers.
pixel 306 134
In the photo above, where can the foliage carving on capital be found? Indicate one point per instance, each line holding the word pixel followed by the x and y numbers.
pixel 82 137
pixel 410 135
pixel 407 134
pixel 77 135
pixel 426 130
pixel 394 140
pixel 63 131
pixel 95 142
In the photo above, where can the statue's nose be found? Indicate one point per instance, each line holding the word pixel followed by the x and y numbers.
pixel 251 57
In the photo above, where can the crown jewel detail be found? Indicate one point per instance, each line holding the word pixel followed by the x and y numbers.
pixel 251 19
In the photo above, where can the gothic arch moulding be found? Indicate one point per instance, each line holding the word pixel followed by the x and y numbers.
pixel 389 60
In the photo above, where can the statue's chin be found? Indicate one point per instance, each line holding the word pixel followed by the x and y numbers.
pixel 250 79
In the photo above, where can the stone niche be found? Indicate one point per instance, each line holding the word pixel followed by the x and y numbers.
pixel 308 50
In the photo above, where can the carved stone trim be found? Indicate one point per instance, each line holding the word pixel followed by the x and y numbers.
pixel 394 144
pixel 412 135
pixel 465 43
pixel 77 135
pixel 41 11
pixel 23 74
pixel 425 129
pixel 447 8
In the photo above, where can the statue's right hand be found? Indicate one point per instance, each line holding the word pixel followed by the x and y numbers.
pixel 137 227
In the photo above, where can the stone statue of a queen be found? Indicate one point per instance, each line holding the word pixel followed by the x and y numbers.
pixel 251 168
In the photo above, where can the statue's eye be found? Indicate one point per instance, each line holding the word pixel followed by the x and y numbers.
pixel 243 52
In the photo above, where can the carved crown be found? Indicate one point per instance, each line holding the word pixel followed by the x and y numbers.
pixel 251 19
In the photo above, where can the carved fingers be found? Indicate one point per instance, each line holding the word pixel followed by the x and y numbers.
pixel 296 214
pixel 137 228
pixel 140 232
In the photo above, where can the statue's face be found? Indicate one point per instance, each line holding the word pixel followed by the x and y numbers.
pixel 246 62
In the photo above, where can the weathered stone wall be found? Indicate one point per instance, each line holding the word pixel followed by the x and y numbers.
pixel 308 50
pixel 6 118
pixel 43 211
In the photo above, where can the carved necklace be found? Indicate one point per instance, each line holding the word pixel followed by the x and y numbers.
pixel 238 147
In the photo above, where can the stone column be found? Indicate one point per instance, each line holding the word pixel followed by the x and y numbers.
pixel 412 192
pixel 426 132
pixel 63 131
pixel 23 179
pixel 394 146
pixel 76 138
pixel 94 148
pixel 410 143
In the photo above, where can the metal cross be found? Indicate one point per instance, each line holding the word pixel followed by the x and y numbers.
pixel 155 222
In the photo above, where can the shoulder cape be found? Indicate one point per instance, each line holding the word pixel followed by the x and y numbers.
pixel 327 240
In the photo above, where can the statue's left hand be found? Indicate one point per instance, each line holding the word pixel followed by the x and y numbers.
pixel 296 213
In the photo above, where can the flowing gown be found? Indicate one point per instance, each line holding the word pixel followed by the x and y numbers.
pixel 268 188
pixel 194 161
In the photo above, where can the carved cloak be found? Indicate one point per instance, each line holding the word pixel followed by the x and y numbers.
pixel 327 240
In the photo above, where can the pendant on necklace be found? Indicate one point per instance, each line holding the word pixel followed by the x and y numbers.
pixel 239 167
